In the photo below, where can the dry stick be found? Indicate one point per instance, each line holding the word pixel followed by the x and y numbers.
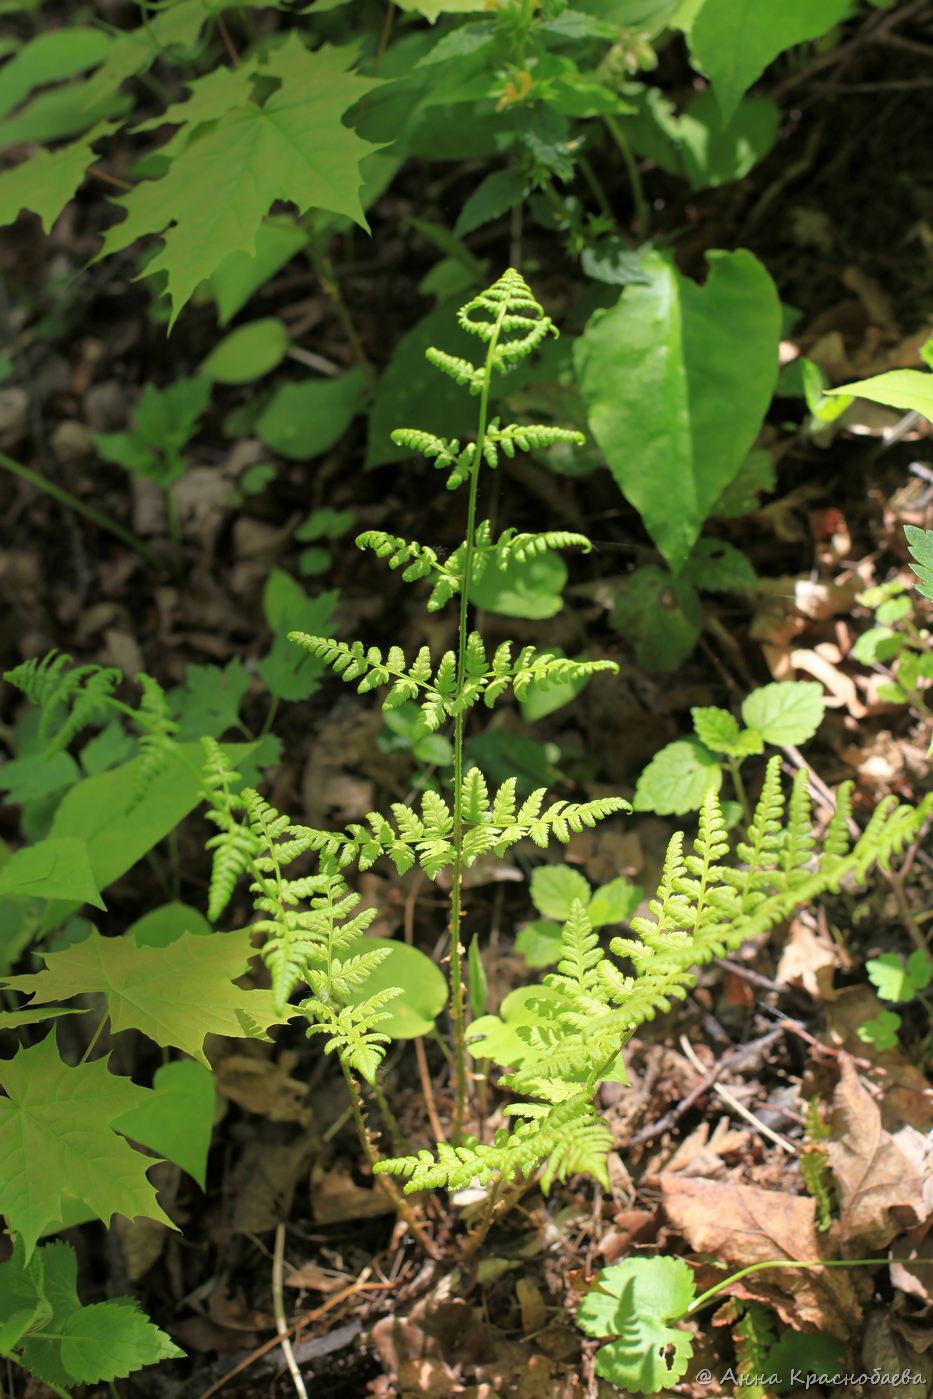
pixel 731 1101
pixel 305 1319
pixel 99 174
pixel 228 42
pixel 420 1054
pixel 278 1305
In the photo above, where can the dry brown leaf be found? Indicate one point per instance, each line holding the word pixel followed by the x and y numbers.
pixel 316 1279
pixel 809 959
pixel 742 1225
pixel 880 1193
pixel 906 1093
pixel 264 1087
pixel 264 1182
pixel 336 1197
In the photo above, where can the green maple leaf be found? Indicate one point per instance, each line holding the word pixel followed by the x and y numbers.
pixel 47 180
pixel 57 1143
pixel 68 1343
pixel 293 147
pixel 175 994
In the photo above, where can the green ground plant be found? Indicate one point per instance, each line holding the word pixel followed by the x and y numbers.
pixel 552 102
pixel 172 975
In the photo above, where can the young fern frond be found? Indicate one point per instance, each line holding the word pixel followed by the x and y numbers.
pixel 156 744
pixel 236 843
pixel 703 909
pixel 83 692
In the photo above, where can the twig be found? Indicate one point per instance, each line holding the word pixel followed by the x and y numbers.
pixel 278 1304
pixel 306 1319
pixel 731 1101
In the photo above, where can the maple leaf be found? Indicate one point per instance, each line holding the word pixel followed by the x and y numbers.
pixel 293 147
pixel 47 180
pixel 57 1142
pixel 65 1343
pixel 175 994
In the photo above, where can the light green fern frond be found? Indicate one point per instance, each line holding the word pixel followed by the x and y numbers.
pixel 68 698
pixel 156 729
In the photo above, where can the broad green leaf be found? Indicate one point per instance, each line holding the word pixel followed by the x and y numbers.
pixel 539 700
pixel 46 181
pixel 920 542
pixel 877 644
pixel 740 497
pixel 804 1353
pixel 539 943
pixel 677 378
pixel 881 1031
pixel 423 987
pixel 72 1344
pixel 289 671
pixel 38 775
pixel 55 868
pixel 695 144
pixel 613 902
pixel 496 1036
pixel 677 779
pixel 163 422
pixel 177 1119
pixel 49 57
pixel 305 419
pixel 719 730
pixel 660 614
pixel 248 353
pixel 786 711
pixel 34 1015
pixel 95 809
pixel 715 565
pixel 554 888
pixel 240 274
pixel 524 588
pixel 57 1142
pixel 635 1301
pixel 733 41
pixel 23 1304
pixel 294 147
pixel 165 924
pixel 175 994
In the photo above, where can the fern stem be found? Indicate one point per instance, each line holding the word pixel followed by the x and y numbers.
pixel 391 1121
pixel 456 912
pixel 386 1183
pixel 103 522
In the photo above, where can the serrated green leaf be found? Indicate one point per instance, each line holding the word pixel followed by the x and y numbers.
pixel 613 902
pixel 715 727
pixel 881 1031
pixel 208 704
pixel 554 888
pixel 493 196
pixel 677 779
pixel 677 379
pixel 786 711
pixel 635 1302
pixel 175 994
pixel 294 147
pixel 55 868
pixel 57 1140
pixel 920 542
pixel 661 614
pixel 46 181
pixel 288 670
pixel 48 58
pixel 247 353
pixel 896 981
pixel 715 565
pixel 539 943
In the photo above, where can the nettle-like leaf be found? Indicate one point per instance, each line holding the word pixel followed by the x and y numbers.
pixel 896 980
pixel 635 1301
pixel 786 711
pixel 677 778
pixel 58 1340
pixel 57 1142
pixel 176 994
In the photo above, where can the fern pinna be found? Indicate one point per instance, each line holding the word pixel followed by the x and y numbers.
pixel 703 908
pixel 510 323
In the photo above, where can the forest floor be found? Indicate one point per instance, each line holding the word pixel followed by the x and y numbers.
pixel 710 1133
